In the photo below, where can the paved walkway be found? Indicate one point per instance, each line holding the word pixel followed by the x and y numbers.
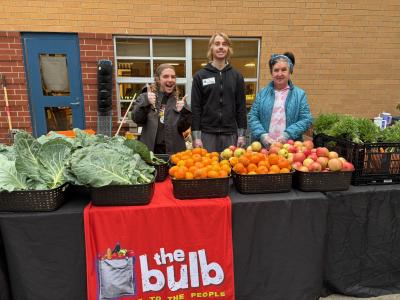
pixel 340 297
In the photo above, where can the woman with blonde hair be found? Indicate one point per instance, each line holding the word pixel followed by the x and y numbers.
pixel 218 100
pixel 162 113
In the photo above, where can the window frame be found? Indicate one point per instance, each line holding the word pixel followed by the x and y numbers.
pixel 186 81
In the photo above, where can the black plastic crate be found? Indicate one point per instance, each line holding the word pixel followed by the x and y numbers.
pixel 374 163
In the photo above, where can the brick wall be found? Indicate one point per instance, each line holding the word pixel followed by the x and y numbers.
pixel 347 52
pixel 12 68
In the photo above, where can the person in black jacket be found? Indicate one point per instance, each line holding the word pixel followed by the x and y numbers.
pixel 218 100
pixel 163 115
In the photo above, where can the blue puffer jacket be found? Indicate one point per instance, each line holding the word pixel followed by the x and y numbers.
pixel 298 115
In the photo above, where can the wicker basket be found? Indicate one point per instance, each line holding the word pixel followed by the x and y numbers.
pixel 33 200
pixel 162 170
pixel 200 188
pixel 322 181
pixel 263 183
pixel 115 195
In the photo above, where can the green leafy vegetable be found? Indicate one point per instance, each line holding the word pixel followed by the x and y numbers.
pixel 10 179
pixel 324 122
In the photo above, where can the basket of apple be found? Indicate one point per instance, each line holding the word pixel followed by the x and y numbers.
pixel 255 170
pixel 317 169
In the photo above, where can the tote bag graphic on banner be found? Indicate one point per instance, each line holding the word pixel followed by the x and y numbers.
pixel 116 276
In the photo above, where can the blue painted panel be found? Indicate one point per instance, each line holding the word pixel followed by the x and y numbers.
pixel 36 44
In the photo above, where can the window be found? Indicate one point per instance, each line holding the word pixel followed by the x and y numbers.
pixel 138 57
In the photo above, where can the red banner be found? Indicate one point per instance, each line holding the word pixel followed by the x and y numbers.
pixel 169 249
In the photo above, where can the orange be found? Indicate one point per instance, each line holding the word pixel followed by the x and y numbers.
pixel 233 160
pixel 197 151
pixel 262 170
pixel 186 157
pixel 255 158
pixel 274 169
pixel 198 165
pixel 244 160
pixel 239 168
pixel 175 158
pixel 180 173
pixel 212 174
pixel 283 163
pixel 284 170
pixel 223 173
pixel 203 173
pixel 189 175
pixel 203 152
pixel 206 161
pixel 192 169
pixel 224 161
pixel 181 163
pixel 214 154
pixel 264 163
pixel 273 158
pixel 226 167
pixel 172 170
pixel 251 167
pixel 252 173
pixel 196 157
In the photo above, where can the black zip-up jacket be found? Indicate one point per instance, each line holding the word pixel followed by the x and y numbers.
pixel 218 100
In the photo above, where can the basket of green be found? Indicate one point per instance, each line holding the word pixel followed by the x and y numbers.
pixel 375 153
pixel 116 172
pixel 33 175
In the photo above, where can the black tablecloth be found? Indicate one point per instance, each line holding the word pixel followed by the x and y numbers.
pixel 278 244
pixel 45 253
pixel 363 246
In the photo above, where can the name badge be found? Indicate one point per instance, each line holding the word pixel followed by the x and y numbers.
pixel 208 81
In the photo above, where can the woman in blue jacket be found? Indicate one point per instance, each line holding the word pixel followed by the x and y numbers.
pixel 280 110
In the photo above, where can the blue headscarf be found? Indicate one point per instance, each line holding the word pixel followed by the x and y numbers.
pixel 275 57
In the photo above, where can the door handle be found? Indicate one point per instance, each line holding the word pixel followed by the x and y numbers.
pixel 75 103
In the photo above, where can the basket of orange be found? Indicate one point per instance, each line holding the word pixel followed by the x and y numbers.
pixel 198 173
pixel 258 173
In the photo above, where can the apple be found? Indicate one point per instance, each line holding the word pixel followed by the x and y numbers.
pixel 299 156
pixel 308 144
pixel 264 151
pixel 315 167
pixel 283 152
pixel 347 166
pixel 335 164
pixel 303 169
pixel 277 144
pixel 307 162
pixel 292 149
pixel 249 149
pixel 227 153
pixel 290 157
pixel 323 161
pixel 322 151
pixel 290 142
pixel 286 146
pixel 239 152
pixel 306 151
pixel 333 154
pixel 313 156
pixel 232 147
pixel 297 165
pixel 256 146
pixel 298 144
pixel 274 149
pixel 342 159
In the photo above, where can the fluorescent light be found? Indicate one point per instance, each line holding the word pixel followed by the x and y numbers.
pixel 250 65
pixel 203 64
pixel 174 64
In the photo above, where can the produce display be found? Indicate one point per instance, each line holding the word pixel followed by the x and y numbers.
pixel 93 160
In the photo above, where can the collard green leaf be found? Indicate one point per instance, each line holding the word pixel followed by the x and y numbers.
pixel 54 156
pixel 99 166
pixel 139 148
pixel 26 150
pixel 10 179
